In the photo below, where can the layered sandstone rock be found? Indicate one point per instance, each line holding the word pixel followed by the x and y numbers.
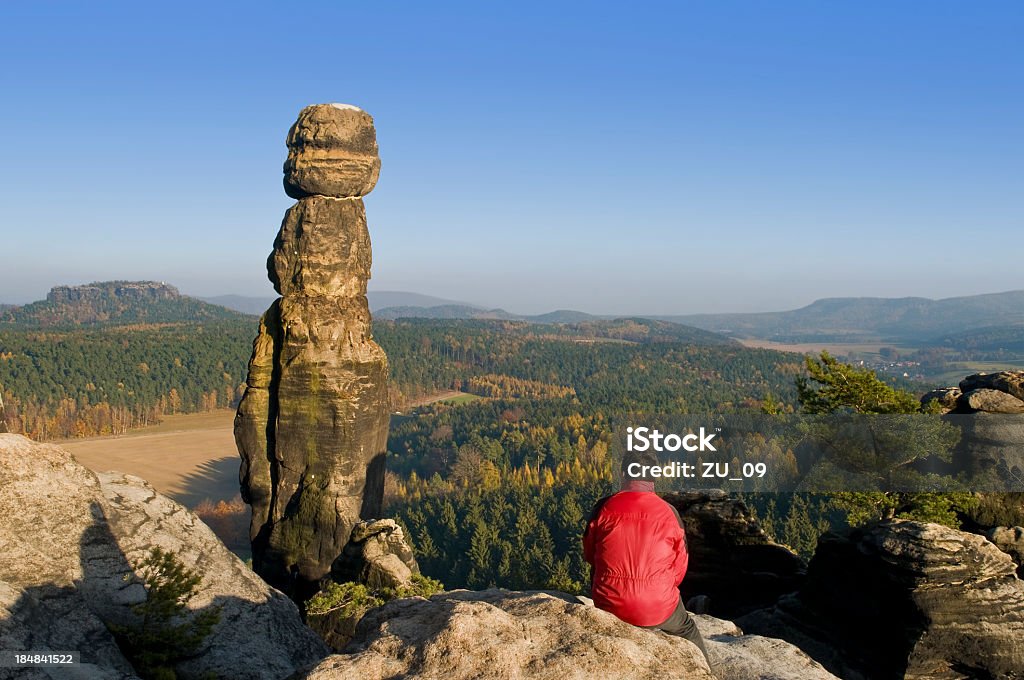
pixel 532 635
pixel 1001 392
pixel 69 544
pixel 332 151
pixel 905 599
pixel 312 426
pixel 734 565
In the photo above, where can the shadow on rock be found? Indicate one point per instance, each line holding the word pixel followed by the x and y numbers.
pixel 68 542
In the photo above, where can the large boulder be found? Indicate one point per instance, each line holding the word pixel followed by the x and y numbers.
pixel 991 401
pixel 1010 382
pixel 323 248
pixel 905 599
pixel 1011 541
pixel 532 635
pixel 332 151
pixel 69 542
pixel 377 555
pixel 732 561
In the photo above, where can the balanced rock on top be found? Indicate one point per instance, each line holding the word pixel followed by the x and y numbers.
pixel 332 151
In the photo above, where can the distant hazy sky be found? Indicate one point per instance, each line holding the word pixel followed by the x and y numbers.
pixel 610 157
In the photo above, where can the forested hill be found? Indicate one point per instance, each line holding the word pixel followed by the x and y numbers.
pixel 853 319
pixel 99 379
pixel 114 303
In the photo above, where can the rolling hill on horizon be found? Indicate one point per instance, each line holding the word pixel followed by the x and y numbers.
pixel 916 320
pixel 910 319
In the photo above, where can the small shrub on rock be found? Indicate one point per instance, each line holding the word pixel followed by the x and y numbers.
pixel 334 612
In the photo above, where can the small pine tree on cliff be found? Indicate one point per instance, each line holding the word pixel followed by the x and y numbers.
pixel 165 632
pixel 896 444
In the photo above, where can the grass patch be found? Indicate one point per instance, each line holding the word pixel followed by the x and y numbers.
pixel 463 398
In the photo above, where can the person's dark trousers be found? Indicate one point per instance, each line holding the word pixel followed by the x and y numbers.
pixel 682 624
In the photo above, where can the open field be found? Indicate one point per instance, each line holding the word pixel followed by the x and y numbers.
pixel 187 457
pixel 460 398
pixel 440 396
pixel 190 458
pixel 833 348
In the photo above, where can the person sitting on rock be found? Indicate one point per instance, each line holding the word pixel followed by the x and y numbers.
pixel 636 546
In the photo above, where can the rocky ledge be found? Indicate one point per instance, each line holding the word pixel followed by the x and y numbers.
pixel 68 540
pixel 539 635
pixel 905 600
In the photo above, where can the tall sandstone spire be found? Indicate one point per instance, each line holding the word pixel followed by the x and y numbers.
pixel 312 426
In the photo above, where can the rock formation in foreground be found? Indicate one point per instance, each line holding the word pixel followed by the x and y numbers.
pixel 68 538
pixel 532 635
pixel 312 426
pixel 905 599
pixel 733 563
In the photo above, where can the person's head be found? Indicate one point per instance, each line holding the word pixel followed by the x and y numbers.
pixel 644 460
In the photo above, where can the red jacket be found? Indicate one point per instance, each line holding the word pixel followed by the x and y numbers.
pixel 636 545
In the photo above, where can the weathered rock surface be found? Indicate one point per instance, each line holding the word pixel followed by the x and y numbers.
pixel 332 151
pixel 1010 382
pixel 503 634
pixel 905 599
pixel 312 426
pixel 737 656
pixel 323 248
pixel 68 540
pixel 732 560
pixel 992 401
pixel 377 555
pixel 1011 541
pixel 57 620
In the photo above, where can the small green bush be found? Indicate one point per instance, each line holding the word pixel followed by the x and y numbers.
pixel 349 598
pixel 334 612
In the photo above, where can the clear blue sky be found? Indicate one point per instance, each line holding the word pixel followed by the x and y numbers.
pixel 614 158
